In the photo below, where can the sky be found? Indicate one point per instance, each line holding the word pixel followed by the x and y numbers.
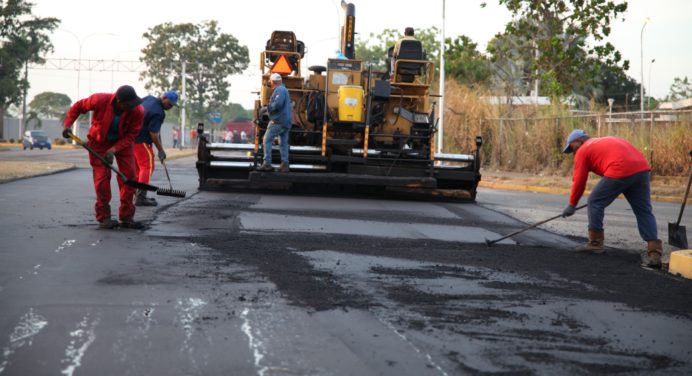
pixel 112 30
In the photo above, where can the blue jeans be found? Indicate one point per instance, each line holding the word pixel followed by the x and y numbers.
pixel 636 191
pixel 274 130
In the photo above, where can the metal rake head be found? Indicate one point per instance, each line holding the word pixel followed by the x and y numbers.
pixel 170 192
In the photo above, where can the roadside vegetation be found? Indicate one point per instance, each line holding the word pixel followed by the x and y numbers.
pixel 550 71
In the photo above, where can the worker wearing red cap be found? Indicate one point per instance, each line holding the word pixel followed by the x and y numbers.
pixel 117 119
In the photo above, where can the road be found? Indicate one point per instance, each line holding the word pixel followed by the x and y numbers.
pixel 249 283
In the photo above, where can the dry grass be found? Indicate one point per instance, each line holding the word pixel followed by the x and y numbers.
pixel 531 142
pixel 10 170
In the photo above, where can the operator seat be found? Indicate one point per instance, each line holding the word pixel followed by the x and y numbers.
pixel 284 41
pixel 409 50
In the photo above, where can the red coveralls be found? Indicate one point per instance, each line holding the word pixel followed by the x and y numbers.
pixel 129 127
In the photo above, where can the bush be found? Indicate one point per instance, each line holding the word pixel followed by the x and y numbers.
pixel 11 140
pixel 59 141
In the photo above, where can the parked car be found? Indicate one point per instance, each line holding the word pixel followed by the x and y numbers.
pixel 36 139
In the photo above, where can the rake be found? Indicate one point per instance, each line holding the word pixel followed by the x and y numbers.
pixel 130 182
pixel 169 191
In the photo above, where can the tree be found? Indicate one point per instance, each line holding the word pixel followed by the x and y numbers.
pixel 680 89
pixel 560 30
pixel 51 105
pixel 373 50
pixel 235 111
pixel 211 56
pixel 464 62
pixel 23 40
pixel 612 82
pixel 510 66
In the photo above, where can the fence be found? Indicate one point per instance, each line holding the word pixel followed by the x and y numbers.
pixel 534 144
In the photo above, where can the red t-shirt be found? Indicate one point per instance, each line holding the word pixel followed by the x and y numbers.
pixel 605 156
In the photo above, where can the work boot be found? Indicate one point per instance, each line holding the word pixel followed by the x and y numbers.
pixel 595 243
pixel 108 224
pixel 284 167
pixel 141 199
pixel 654 251
pixel 266 167
pixel 131 223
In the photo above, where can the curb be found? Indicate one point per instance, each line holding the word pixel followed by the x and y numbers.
pixel 561 191
pixel 19 146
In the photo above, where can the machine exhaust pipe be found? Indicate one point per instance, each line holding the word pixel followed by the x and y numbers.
pixel 348 32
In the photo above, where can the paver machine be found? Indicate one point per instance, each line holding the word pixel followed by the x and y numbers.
pixel 352 127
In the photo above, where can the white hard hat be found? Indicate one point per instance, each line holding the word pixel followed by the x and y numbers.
pixel 275 77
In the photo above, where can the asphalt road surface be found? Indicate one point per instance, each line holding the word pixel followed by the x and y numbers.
pixel 248 283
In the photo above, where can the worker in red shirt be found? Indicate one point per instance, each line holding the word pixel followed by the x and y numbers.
pixel 624 170
pixel 116 121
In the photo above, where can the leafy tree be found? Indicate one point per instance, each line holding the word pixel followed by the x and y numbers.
pixel 560 30
pixel 51 105
pixel 510 69
pixel 680 89
pixel 373 50
pixel 24 38
pixel 464 62
pixel 235 111
pixel 612 82
pixel 211 56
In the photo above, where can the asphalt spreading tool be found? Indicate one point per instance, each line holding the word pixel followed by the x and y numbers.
pixel 491 242
pixel 131 183
pixel 677 235
pixel 170 191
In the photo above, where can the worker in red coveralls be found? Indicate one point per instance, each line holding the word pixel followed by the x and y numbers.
pixel 117 119
pixel 624 170
pixel 154 114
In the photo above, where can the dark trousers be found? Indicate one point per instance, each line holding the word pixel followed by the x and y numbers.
pixel 637 192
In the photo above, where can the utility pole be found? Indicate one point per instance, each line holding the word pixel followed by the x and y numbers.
pixel 440 130
pixel 182 110
pixel 641 84
pixel 22 123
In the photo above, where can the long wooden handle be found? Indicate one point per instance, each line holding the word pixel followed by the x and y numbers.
pixel 532 226
pixel 80 142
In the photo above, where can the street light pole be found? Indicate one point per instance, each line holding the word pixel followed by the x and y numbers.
pixel 641 84
pixel 648 105
pixel 440 130
pixel 80 43
pixel 182 109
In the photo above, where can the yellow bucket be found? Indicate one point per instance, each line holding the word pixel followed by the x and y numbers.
pixel 351 103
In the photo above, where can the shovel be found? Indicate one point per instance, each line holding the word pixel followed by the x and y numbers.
pixel 677 235
pixel 131 183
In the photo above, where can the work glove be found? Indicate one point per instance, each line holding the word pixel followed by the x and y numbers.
pixel 569 211
pixel 66 132
pixel 162 155
pixel 109 156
